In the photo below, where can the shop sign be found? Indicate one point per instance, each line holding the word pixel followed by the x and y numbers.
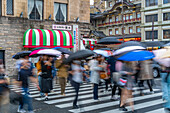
pixel 62 27
pixel 76 40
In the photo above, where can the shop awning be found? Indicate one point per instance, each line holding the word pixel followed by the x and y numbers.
pixel 87 41
pixel 47 38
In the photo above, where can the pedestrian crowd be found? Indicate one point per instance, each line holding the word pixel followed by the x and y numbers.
pixel 120 76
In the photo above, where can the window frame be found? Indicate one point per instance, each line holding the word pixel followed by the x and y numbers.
pixel 164 18
pixel 137 15
pixel 110 18
pixel 151 35
pixel 137 29
pixel 116 17
pixel 7 7
pixel 165 3
pixel 130 15
pixel 124 30
pixel 150 3
pixel 110 30
pixel 150 17
pixel 163 34
pixel 117 29
pixel 130 30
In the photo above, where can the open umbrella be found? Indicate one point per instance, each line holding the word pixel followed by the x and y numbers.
pixel 105 49
pixel 167 53
pixel 165 61
pixel 168 44
pixel 82 54
pixel 109 40
pixel 50 52
pixel 154 44
pixel 104 53
pixel 21 54
pixel 131 43
pixel 137 55
pixel 63 50
pixel 38 48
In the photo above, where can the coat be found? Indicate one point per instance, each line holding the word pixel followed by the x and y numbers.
pixel 95 72
pixel 146 71
pixel 62 70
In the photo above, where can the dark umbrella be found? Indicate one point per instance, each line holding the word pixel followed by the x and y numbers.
pixel 109 40
pixel 154 44
pixel 63 50
pixel 21 54
pixel 82 54
pixel 39 48
pixel 168 44
pixel 106 49
pixel 131 43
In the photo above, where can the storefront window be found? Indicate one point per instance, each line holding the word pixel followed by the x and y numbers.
pixel 35 9
pixel 151 2
pixel 130 30
pixel 166 1
pixel 110 31
pixel 9 7
pixel 148 35
pixel 116 31
pixel 138 15
pixel 166 34
pixel 60 12
pixel 138 29
pixel 166 16
pixel 150 18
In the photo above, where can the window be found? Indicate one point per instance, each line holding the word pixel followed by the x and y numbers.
pixel 138 15
pixel 0 7
pixel 151 2
pixel 166 1
pixel 110 4
pixel 35 9
pixel 148 35
pixel 150 18
pixel 127 17
pixel 117 18
pixel 60 12
pixel 116 31
pixel 166 16
pixel 9 7
pixel 110 31
pixel 110 19
pixel 123 29
pixel 130 16
pixel 166 34
pixel 102 21
pixel 138 29
pixel 130 30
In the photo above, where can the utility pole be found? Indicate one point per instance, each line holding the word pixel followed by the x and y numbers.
pixel 122 23
pixel 152 28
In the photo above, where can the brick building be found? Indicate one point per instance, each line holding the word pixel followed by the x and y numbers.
pixel 17 16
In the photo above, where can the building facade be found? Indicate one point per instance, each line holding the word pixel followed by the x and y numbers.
pixel 155 16
pixel 17 16
pixel 110 21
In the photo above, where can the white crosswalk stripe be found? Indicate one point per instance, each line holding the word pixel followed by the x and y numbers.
pixel 87 103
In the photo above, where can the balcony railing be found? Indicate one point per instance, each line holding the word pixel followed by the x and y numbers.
pixel 120 22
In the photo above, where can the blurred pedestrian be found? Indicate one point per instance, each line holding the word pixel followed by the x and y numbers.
pixel 165 75
pixel 46 75
pixel 95 75
pixel 77 79
pixel 24 74
pixel 62 73
pixel 145 74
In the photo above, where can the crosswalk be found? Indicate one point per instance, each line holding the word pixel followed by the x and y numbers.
pixel 105 105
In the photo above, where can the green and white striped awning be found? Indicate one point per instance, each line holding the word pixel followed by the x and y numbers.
pixel 47 38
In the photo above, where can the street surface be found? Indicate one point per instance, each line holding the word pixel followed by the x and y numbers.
pixel 149 103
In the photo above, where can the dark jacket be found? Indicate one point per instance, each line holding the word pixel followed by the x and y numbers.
pixel 46 70
pixel 112 62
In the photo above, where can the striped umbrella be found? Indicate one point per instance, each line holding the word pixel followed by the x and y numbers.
pixel 50 52
pixel 89 41
pixel 47 38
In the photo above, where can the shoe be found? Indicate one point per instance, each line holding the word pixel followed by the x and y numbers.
pixel 21 110
pixel 46 98
pixel 96 100
pixel 152 92
pixel 75 107
pixel 123 108
pixel 114 98
pixel 30 112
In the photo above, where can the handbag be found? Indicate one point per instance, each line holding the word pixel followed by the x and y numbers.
pixel 103 75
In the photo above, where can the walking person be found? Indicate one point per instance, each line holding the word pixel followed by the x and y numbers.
pixel 62 73
pixel 95 75
pixel 46 75
pixel 77 79
pixel 145 74
pixel 24 74
pixel 165 75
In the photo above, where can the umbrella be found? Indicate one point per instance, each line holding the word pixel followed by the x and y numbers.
pixel 63 50
pixel 165 61
pixel 137 55
pixel 82 54
pixel 38 48
pixel 168 44
pixel 128 49
pixel 131 43
pixel 50 52
pixel 105 49
pixel 104 53
pixel 154 44
pixel 166 54
pixel 21 54
pixel 109 40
